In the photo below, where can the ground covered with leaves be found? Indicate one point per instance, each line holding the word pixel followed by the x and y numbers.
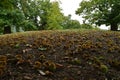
pixel 60 55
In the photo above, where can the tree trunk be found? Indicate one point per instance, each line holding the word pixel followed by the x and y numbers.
pixel 7 30
pixel 114 27
pixel 42 27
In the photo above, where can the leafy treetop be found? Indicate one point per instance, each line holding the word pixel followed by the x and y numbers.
pixel 101 12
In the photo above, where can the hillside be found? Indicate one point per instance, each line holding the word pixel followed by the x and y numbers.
pixel 60 55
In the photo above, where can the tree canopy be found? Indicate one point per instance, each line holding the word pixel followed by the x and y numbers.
pixel 101 12
pixel 10 15
pixel 70 24
pixel 28 15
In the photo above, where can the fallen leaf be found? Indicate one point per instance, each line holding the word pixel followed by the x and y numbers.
pixel 59 65
pixel 41 72
pixel 42 49
pixel 48 73
pixel 27 78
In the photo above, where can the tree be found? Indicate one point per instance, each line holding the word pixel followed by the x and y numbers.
pixel 46 14
pixel 101 12
pixel 5 6
pixel 68 23
pixel 10 15
pixel 30 15
pixel 42 13
pixel 54 17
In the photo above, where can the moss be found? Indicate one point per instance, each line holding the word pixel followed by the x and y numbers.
pixel 30 56
pixel 37 65
pixel 111 49
pixel 3 63
pixel 48 73
pixel 20 62
pixel 99 44
pixel 104 68
pixel 76 61
pixel 97 61
pixel 17 45
pixel 42 58
pixel 18 57
pixel 3 58
pixel 49 65
pixel 115 64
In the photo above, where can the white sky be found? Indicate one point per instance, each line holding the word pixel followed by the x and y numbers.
pixel 69 7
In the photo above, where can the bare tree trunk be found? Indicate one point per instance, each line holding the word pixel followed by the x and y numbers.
pixel 114 27
pixel 7 30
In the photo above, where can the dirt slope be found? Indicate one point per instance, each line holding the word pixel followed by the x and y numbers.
pixel 60 55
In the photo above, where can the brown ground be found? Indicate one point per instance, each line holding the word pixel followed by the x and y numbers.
pixel 60 55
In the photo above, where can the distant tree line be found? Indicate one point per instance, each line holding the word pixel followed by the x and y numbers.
pixel 26 15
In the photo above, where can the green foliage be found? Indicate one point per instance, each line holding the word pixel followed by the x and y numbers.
pixel 54 17
pixel 34 15
pixel 101 12
pixel 17 45
pixel 10 15
pixel 31 14
pixel 87 26
pixel 68 23
pixel 27 25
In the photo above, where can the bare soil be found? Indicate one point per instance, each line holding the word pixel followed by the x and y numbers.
pixel 60 55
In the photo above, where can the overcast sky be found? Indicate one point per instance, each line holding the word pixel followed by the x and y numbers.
pixel 69 7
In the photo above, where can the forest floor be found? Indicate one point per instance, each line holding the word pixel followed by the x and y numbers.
pixel 60 55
